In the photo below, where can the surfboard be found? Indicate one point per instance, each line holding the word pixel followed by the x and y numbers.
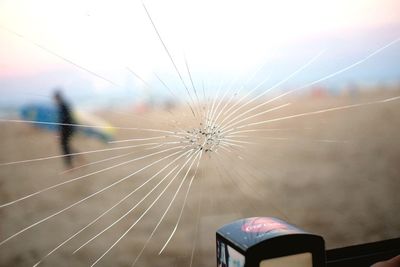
pixel 49 114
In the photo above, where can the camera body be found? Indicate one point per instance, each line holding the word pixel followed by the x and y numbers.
pixel 268 242
pixel 271 242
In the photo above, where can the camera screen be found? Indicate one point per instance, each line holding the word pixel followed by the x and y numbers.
pixel 298 260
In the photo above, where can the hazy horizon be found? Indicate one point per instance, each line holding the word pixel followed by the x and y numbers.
pixel 86 49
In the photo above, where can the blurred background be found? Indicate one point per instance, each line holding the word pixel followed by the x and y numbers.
pixel 335 173
pixel 42 43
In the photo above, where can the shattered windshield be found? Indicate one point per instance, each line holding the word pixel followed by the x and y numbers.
pixel 131 131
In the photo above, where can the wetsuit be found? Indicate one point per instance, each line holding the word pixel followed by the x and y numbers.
pixel 66 131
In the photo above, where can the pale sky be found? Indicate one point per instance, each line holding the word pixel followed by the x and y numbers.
pixel 218 38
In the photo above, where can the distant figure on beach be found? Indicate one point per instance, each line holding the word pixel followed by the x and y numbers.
pixel 66 130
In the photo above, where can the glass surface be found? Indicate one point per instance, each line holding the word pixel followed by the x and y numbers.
pixel 193 114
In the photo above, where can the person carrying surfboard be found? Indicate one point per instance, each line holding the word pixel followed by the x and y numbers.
pixel 66 127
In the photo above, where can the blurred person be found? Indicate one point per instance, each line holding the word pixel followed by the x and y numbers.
pixel 66 129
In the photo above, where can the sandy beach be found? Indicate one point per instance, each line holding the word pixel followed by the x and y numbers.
pixel 335 174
